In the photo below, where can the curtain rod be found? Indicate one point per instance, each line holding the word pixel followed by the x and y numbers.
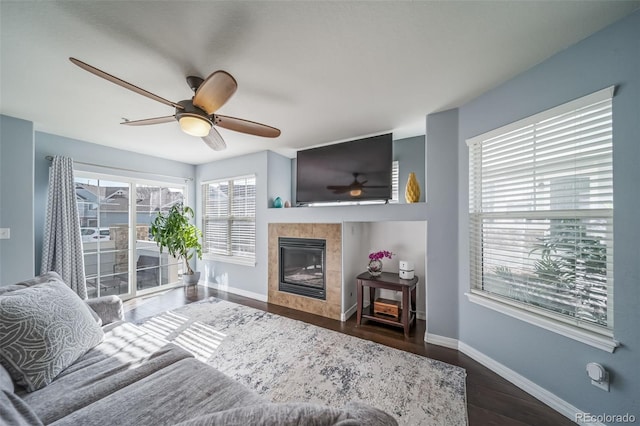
pixel 50 158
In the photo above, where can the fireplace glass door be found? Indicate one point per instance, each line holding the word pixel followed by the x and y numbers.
pixel 302 266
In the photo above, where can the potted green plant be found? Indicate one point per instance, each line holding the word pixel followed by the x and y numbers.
pixel 181 238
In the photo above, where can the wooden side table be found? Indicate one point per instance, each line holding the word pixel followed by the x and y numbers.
pixel 388 281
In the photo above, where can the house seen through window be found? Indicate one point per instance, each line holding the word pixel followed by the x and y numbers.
pixel 120 256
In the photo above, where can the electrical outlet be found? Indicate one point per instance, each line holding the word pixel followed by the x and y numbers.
pixel 5 233
pixel 599 376
pixel 603 384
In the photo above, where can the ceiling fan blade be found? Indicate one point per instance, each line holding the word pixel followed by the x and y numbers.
pixel 375 186
pixel 214 140
pixel 245 126
pixel 215 91
pixel 146 121
pixel 123 83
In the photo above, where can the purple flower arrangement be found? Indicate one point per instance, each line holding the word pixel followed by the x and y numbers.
pixel 379 255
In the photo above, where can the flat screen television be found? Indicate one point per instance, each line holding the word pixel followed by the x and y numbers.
pixel 349 171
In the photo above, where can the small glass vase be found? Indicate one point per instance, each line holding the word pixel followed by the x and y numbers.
pixel 375 267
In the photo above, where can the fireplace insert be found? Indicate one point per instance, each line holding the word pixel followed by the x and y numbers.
pixel 302 265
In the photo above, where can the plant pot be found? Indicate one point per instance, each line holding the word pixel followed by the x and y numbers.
pixel 375 267
pixel 191 279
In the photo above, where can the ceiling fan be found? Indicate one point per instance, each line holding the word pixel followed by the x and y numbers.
pixel 355 188
pixel 196 115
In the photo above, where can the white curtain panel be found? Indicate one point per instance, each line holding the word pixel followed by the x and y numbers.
pixel 62 245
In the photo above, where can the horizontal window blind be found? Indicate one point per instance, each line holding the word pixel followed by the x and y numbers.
pixel 229 208
pixel 395 182
pixel 541 213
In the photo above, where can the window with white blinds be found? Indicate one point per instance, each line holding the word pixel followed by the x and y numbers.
pixel 541 214
pixel 229 218
pixel 395 182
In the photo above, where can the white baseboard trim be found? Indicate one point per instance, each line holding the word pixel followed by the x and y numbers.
pixel 447 342
pixel 346 315
pixel 537 391
pixel 238 291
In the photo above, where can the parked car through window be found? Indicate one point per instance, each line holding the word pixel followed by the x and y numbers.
pixel 90 235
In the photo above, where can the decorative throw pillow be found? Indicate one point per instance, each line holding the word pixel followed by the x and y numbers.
pixel 43 330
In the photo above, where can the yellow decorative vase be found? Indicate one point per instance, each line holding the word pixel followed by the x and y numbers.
pixel 412 191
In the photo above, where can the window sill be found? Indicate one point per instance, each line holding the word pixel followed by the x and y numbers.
pixel 599 341
pixel 229 259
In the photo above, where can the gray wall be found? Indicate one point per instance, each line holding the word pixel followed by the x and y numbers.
pixel 442 233
pixel 279 178
pixel 24 175
pixel 410 153
pixel 16 199
pixel 611 56
pixel 84 152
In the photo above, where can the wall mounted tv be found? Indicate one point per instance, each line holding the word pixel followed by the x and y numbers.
pixel 349 171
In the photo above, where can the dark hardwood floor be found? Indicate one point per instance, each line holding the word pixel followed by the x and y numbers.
pixel 491 400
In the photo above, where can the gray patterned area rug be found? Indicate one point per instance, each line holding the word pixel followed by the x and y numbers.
pixel 288 360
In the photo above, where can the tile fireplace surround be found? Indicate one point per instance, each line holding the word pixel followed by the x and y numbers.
pixel 332 233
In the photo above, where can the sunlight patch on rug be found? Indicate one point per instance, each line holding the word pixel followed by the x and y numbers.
pixel 288 360
pixel 194 336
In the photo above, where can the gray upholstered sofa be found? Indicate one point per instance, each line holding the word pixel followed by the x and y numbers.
pixel 121 375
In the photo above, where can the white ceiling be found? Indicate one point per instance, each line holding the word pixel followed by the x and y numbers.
pixel 320 71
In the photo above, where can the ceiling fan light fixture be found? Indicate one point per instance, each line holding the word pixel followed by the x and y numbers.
pixel 356 192
pixel 195 115
pixel 194 125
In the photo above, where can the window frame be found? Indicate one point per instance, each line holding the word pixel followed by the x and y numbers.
pixel 132 221
pixel 592 334
pixel 228 257
pixel 395 182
